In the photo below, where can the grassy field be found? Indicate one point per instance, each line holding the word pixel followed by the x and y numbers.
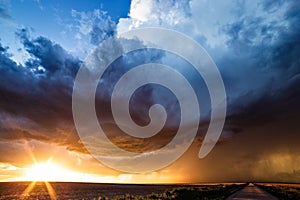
pixel 209 192
pixel 95 191
pixel 283 191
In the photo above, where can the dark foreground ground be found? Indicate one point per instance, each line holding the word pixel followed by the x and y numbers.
pixel 26 190
pixel 282 191
pixel 20 190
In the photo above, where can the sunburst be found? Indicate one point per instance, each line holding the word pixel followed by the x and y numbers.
pixel 42 172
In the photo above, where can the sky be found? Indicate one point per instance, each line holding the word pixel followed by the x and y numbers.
pixel 255 45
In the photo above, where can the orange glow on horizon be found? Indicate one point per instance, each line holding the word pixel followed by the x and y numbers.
pixel 48 168
pixel 53 172
pixel 46 171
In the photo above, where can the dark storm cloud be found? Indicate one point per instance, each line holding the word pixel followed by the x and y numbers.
pixel 261 72
pixel 52 57
pixel 266 55
pixel 19 135
pixel 261 75
pixel 38 92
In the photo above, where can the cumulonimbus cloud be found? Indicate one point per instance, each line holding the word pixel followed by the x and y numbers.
pixel 255 46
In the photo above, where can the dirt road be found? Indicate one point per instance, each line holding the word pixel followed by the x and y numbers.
pixel 251 192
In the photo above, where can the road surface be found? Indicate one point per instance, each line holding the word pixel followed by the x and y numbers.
pixel 251 192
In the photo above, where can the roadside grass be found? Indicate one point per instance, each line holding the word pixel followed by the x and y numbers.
pixel 208 192
pixel 282 191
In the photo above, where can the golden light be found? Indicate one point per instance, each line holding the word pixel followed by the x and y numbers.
pixel 46 171
pixel 53 172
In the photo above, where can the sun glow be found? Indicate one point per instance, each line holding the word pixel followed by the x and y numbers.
pixel 51 172
pixel 45 171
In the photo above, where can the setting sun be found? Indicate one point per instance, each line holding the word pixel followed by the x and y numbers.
pixel 45 171
pixel 53 172
pixel 49 172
